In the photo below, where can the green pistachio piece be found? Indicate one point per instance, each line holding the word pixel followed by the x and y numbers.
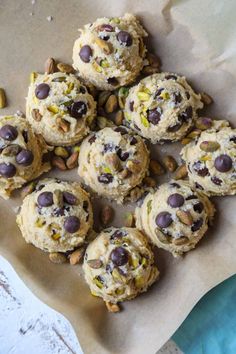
pixel 143 96
pixel 149 206
pixel 139 281
pixel 209 146
pixel 33 77
pixel 144 120
pixel 98 282
pixel 59 79
pixel 117 276
pixel 53 109
pixel 104 63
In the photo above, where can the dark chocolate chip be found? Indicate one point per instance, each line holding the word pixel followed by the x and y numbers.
pixel 121 130
pixel 69 198
pixel 223 163
pixel 171 77
pixel 123 155
pixel 175 200
pixel 198 186
pixel 72 224
pixel 45 199
pixel 133 140
pixel 187 114
pixel 119 256
pixel 216 180
pixel 124 38
pixel 197 225
pixel 131 106
pixel 200 169
pixel 190 197
pixel 176 185
pixel 85 53
pixel 82 89
pixel 233 139
pixel 163 219
pixel 105 178
pixel 92 139
pixel 158 92
pixel 198 207
pixel 85 205
pixel 78 109
pixel 7 170
pixel 59 211
pixel 187 95
pixel 136 127
pixel 112 81
pixel 177 98
pixel 42 91
pixel 8 132
pixel 118 234
pixel 25 136
pixel 109 147
pixel 175 128
pixel 25 157
pixel 153 116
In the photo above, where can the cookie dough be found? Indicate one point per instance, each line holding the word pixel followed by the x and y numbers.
pixel 211 161
pixel 162 107
pixel 21 154
pixel 60 108
pixel 175 216
pixel 119 264
pixel 57 216
pixel 112 161
pixel 109 52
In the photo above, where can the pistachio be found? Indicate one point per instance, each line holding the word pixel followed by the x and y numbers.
pixel 112 307
pixel 103 97
pixel 122 94
pixel 61 151
pixel 104 63
pixel 77 256
pixel 111 104
pixel 92 89
pixel 144 120
pixel 203 123
pixel 143 96
pixel 11 150
pixel 58 258
pixel 139 281
pixel 181 172
pixel 53 109
pixel 106 47
pixel 113 161
pixel 134 262
pixel 3 100
pixel 205 158
pixel 98 282
pixel 58 162
pixel 70 86
pixel 106 214
pixel 118 276
pixel 153 60
pixel 72 161
pixel 94 263
pixel 194 134
pixel 185 217
pixel 186 141
pixel 149 70
pixel 156 168
pixel 33 77
pixel 36 115
pixel 209 146
pixel 65 68
pixel 58 198
pixel 56 236
pixel 129 220
pixel 76 148
pixel 63 124
pixel 50 66
pixel 40 222
pixel 180 241
pixel 149 206
pixel 134 166
pixel 170 163
pixel 29 188
pixel 162 237
pixel 59 79
pixel 206 99
pixel 149 182
pixel 119 118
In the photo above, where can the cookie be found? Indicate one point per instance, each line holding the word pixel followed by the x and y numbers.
pixel 57 216
pixel 112 161
pixel 162 107
pixel 21 154
pixel 211 160
pixel 60 108
pixel 109 52
pixel 119 264
pixel 175 216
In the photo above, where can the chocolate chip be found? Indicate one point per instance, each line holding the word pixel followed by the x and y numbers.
pixel 92 139
pixel 216 180
pixel 136 127
pixel 106 27
pixel 153 116
pixel 112 81
pixel 109 147
pixel 118 234
pixel 177 98
pixel 85 205
pixel 25 157
pixel 171 77
pixel 72 224
pixel 121 130
pixel 198 186
pixel 175 200
pixel 133 140
pixel 223 163
pixel 190 197
pixel 174 128
pixel 123 155
pixel 197 225
pixel 119 256
pixel 45 199
pixel 105 178
pixel 176 185
pixel 200 169
pixel 163 219
pixel 78 109
pixel 158 92
pixel 198 207
pixel 59 212
pixel 69 198
pixel 8 132
pixel 7 170
pixel 233 139
pixel 131 106
pixel 124 38
pixel 85 53
pixel 187 95
pixel 25 136
pixel 82 89
pixel 187 114
pixel 42 91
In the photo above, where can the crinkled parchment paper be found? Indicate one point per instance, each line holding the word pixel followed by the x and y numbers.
pixel 195 38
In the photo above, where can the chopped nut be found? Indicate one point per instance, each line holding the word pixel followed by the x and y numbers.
pixel 63 124
pixel 113 161
pixel 134 166
pixel 29 188
pixel 119 118
pixel 94 263
pixel 156 168
pixel 111 104
pixel 103 97
pixel 129 220
pixel 103 122
pixel 106 47
pixel 207 99
pixel 149 182
pixel 122 94
pixel 11 150
pixel 153 60
pixel 77 256
pixel 65 68
pixel 143 96
pixel 135 194
pixel 170 163
pixel 209 146
pixel 112 307
pixel 56 257
pixel 106 214
pixel 149 70
pixel 180 241
pixel 3 100
pixel 72 161
pixel 36 115
pixel 186 141
pixel 58 162
pixel 185 217
pixel 61 151
pixel 203 123
pixel 50 66
pixel 194 134
pixel 181 172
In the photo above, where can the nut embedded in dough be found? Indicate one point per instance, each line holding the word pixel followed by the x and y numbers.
pixel 119 264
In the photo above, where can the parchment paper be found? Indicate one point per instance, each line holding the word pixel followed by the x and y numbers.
pixel 195 38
